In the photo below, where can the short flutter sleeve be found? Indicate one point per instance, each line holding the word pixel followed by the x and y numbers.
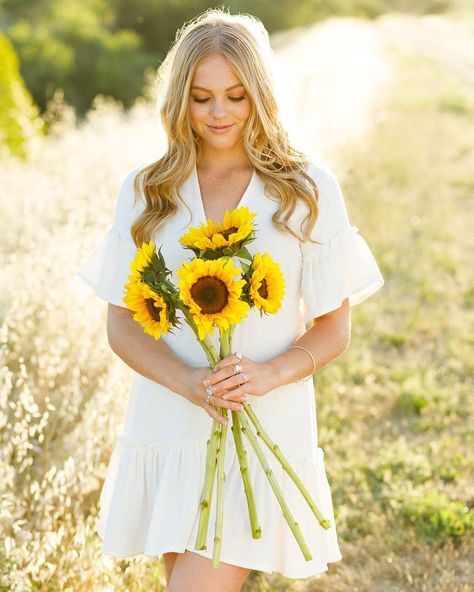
pixel 107 267
pixel 343 265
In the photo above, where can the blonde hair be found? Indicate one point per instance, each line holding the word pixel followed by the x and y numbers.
pixel 243 41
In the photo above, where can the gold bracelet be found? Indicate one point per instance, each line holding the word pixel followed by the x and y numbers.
pixel 307 351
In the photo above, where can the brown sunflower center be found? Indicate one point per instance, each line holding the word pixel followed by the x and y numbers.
pixel 152 309
pixel 210 294
pixel 228 232
pixel 263 290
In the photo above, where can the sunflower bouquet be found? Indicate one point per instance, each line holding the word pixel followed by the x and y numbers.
pixel 212 293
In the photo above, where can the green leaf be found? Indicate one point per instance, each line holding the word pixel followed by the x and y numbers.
pixel 212 255
pixel 245 254
pixel 149 276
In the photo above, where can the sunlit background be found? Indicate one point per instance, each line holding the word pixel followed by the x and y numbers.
pixel 383 95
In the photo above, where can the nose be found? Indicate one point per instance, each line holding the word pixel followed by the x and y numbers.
pixel 217 108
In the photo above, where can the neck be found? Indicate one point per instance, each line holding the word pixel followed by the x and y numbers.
pixel 223 159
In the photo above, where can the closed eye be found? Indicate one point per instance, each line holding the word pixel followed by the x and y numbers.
pixel 233 99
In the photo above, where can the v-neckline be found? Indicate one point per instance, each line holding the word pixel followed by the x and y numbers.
pixel 198 195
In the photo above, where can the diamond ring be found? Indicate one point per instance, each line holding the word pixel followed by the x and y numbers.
pixel 237 368
pixel 244 377
pixel 209 393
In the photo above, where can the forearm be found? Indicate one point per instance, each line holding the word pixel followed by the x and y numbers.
pixel 143 353
pixel 326 340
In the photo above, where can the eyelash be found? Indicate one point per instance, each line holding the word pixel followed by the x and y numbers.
pixel 233 99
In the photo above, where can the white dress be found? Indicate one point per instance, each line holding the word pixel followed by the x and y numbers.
pixel 149 503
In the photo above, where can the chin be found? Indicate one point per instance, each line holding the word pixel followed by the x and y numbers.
pixel 222 141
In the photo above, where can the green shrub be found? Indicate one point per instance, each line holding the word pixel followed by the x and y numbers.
pixel 411 403
pixel 18 115
pixel 435 515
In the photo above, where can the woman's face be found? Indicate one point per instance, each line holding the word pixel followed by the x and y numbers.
pixel 218 100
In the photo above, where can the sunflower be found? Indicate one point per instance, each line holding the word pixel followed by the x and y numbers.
pixel 143 259
pixel 150 308
pixel 267 283
pixel 233 230
pixel 212 295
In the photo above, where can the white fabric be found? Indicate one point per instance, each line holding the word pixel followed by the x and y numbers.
pixel 150 499
pixel 107 268
pixel 342 266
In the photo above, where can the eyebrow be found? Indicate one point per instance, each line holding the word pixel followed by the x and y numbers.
pixel 230 87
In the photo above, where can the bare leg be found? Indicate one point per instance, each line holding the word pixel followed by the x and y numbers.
pixel 169 560
pixel 194 573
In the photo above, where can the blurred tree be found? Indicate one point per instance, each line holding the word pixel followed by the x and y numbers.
pixel 157 22
pixel 76 46
pixel 18 115
pixel 87 47
pixel 46 62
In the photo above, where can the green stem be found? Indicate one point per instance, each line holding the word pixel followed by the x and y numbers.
pixel 226 341
pixel 223 342
pixel 324 522
pixel 244 471
pixel 212 445
pixel 294 526
pixel 208 346
pixel 231 336
pixel 216 552
pixel 205 505
pixel 205 343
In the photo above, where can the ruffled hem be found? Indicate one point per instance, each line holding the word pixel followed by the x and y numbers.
pixel 107 268
pixel 341 267
pixel 149 505
pixel 245 563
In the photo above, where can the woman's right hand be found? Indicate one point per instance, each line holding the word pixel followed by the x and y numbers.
pixel 196 393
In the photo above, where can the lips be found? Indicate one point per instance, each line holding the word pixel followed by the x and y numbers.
pixel 219 126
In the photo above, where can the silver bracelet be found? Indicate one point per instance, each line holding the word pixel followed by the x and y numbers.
pixel 312 357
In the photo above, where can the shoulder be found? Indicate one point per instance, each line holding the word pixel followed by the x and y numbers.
pixel 330 195
pixel 129 178
pixel 127 207
pixel 332 211
pixel 323 176
pixel 326 184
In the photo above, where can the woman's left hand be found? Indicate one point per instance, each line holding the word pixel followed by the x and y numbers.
pixel 228 384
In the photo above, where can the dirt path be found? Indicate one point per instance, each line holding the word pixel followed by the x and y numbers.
pixel 335 72
pixel 449 41
pixel 332 74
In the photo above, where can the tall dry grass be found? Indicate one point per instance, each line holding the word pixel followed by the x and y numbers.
pixel 394 412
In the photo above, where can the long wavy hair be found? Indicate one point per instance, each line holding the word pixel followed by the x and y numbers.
pixel 244 42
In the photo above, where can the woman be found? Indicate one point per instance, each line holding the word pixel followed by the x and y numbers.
pixel 227 148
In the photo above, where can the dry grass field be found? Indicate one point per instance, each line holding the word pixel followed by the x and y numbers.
pixel 390 104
